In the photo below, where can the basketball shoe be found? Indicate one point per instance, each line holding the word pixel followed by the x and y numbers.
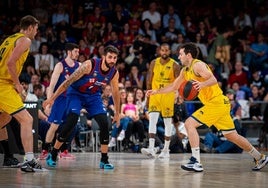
pixel 121 136
pixel 193 165
pixel 164 154
pixel 148 152
pixel 111 143
pixel 259 164
pixel 50 162
pixel 11 162
pixel 66 155
pixel 106 165
pixel 31 166
pixel 43 155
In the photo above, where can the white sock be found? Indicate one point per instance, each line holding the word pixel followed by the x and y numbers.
pixel 196 153
pixel 254 153
pixel 29 156
pixel 166 146
pixel 113 138
pixel 151 143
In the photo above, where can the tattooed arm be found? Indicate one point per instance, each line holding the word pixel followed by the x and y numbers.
pixel 85 68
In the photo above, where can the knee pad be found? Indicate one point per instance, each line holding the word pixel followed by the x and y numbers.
pixel 102 121
pixel 68 127
pixel 168 126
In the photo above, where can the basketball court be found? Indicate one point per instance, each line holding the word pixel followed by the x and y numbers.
pixel 135 170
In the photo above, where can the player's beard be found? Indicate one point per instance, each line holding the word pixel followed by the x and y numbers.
pixel 108 65
pixel 165 57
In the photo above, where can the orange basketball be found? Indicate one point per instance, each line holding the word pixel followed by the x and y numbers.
pixel 187 91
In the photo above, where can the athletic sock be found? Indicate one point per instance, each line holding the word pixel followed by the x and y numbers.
pixel 166 146
pixel 196 153
pixel 254 153
pixel 29 156
pixel 151 143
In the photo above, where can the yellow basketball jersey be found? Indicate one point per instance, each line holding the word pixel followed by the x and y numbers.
pixel 163 74
pixel 6 50
pixel 207 93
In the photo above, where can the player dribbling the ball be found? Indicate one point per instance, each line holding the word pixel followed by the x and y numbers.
pixel 215 110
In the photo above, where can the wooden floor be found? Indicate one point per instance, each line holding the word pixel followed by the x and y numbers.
pixel 135 170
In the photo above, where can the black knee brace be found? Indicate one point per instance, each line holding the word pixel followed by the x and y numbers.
pixel 102 121
pixel 68 127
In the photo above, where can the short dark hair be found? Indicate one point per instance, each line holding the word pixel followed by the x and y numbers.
pixel 70 46
pixel 37 86
pixel 190 48
pixel 27 21
pixel 111 49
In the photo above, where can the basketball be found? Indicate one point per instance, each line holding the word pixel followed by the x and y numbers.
pixel 187 91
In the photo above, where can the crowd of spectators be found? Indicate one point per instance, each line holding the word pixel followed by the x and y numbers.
pixel 138 27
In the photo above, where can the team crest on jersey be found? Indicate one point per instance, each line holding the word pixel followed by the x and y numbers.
pixel 167 110
pixel 95 74
pixel 91 80
pixel 153 108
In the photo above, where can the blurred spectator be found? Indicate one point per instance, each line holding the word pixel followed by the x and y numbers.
pixel 255 107
pixel 58 46
pixel 122 70
pixel 135 77
pixel 134 23
pixel 90 34
pixel 261 20
pixel 239 93
pixel 175 46
pixel 126 36
pixel 169 34
pixel 139 7
pixel 84 49
pixel 219 53
pixel 239 75
pixel 172 14
pixel 119 17
pixel 201 45
pixel 147 29
pixel 190 27
pixel 35 80
pixel 115 41
pixel 203 31
pixel 60 18
pixel 81 58
pixel 242 20
pixel 50 35
pixel 153 15
pixel 36 42
pixel 44 61
pixel 41 13
pixel 256 56
pixel 256 79
pixel 97 19
pixel 78 21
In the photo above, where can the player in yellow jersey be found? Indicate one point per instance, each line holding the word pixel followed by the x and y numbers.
pixel 163 71
pixel 13 53
pixel 215 111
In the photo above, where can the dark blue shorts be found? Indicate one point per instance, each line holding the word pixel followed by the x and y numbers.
pixel 57 114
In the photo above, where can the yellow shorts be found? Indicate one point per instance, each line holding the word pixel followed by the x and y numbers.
pixel 10 100
pixel 163 103
pixel 216 113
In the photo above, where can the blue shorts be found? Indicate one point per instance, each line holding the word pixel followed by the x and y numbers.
pixel 57 114
pixel 91 102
